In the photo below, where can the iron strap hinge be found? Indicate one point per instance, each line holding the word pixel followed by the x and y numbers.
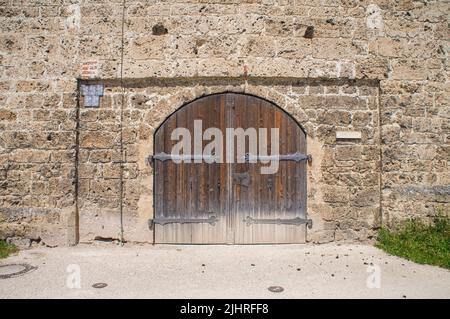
pixel 174 157
pixel 164 221
pixel 249 158
pixel 297 157
pixel 279 221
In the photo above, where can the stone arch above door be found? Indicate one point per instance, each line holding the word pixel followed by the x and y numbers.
pixel 184 95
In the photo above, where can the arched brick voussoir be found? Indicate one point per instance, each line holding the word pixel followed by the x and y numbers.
pixel 184 96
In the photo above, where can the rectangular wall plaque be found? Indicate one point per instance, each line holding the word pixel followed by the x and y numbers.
pixel 348 135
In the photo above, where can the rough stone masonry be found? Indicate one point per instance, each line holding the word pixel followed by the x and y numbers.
pixel 378 68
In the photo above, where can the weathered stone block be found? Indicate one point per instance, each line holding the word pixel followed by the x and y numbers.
pixel 111 170
pixel 7 115
pixel 87 170
pixel 334 117
pixel 336 194
pixel 408 70
pixel 372 68
pixel 149 47
pixel 105 187
pixel 99 140
pixel 348 152
pixel 361 119
pixel 333 49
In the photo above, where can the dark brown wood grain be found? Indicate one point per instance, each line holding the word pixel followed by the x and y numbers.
pixel 230 191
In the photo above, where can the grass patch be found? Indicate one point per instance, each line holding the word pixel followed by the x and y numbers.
pixel 418 242
pixel 7 249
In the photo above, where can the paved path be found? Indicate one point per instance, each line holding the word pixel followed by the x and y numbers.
pixel 164 271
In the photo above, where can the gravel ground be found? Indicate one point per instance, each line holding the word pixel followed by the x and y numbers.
pixel 167 271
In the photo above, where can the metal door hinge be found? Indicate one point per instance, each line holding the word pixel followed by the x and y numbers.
pixel 297 157
pixel 164 221
pixel 181 158
pixel 278 221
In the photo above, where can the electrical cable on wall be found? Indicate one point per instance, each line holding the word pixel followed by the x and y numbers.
pixel 121 126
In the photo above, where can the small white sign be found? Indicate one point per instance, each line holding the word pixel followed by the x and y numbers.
pixel 348 135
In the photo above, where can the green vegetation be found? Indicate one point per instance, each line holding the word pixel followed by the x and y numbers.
pixel 418 242
pixel 6 249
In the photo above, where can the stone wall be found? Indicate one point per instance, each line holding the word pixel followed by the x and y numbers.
pixel 343 179
pixel 316 59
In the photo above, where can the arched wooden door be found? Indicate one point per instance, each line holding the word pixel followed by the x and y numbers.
pixel 230 202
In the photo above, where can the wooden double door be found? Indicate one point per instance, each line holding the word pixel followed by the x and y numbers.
pixel 230 201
